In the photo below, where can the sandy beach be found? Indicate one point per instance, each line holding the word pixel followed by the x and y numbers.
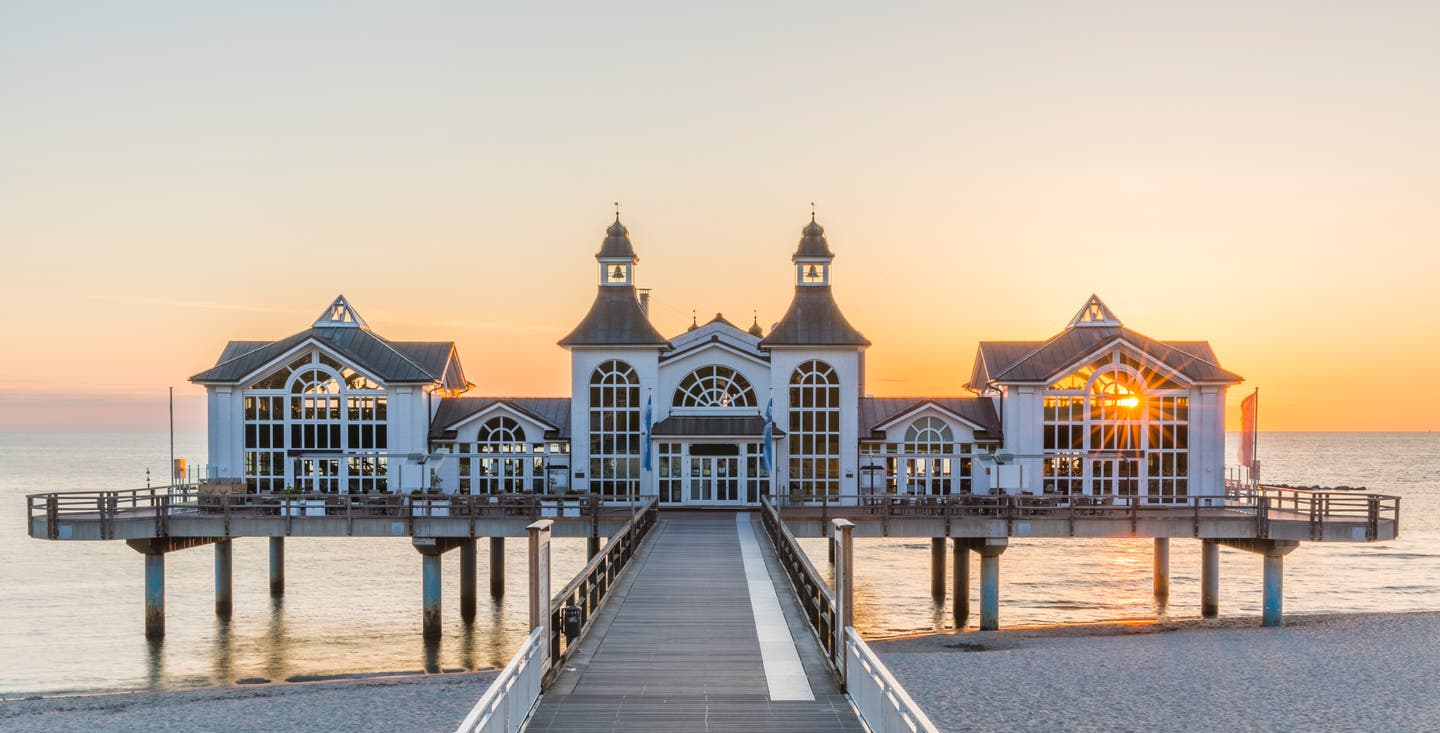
pixel 1363 672
pixel 420 703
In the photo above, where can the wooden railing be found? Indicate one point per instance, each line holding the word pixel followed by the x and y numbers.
pixel 883 703
pixel 161 503
pixel 512 694
pixel 817 600
pixel 593 584
pixel 1264 505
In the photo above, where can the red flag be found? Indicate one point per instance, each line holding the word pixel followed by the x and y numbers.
pixel 1248 408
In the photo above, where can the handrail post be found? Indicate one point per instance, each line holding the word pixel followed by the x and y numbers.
pixel 843 530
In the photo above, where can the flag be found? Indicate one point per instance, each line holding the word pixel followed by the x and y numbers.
pixel 769 438
pixel 1248 408
pixel 649 403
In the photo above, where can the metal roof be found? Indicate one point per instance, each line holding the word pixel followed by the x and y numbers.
pixel 814 319
pixel 412 361
pixel 713 425
pixel 617 243
pixel 545 410
pixel 1040 361
pixel 812 242
pixel 876 411
pixel 615 319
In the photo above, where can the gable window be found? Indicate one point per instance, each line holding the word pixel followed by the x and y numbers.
pixel 714 386
pixel 1115 426
pixel 317 425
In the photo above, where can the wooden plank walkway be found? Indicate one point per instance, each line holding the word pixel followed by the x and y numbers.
pixel 677 649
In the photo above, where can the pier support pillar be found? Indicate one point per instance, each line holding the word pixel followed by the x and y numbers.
pixel 497 566
pixel 223 588
pixel 1209 578
pixel 430 624
pixel 592 547
pixel 155 596
pixel 960 605
pixel 467 580
pixel 990 551
pixel 1162 569
pixel 277 567
pixel 937 569
pixel 1273 609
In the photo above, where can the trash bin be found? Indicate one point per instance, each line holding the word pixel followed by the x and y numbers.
pixel 571 622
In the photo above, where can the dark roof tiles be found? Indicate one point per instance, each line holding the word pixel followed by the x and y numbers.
pixel 615 319
pixel 814 319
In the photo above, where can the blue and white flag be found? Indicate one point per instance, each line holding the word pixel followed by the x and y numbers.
pixel 649 401
pixel 769 436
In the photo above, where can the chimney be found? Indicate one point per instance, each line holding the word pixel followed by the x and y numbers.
pixel 645 302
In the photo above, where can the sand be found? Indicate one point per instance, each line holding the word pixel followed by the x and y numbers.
pixel 420 703
pixel 1371 672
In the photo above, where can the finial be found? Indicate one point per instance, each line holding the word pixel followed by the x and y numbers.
pixel 617 212
pixel 812 212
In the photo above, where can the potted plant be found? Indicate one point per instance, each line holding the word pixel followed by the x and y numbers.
pixel 297 507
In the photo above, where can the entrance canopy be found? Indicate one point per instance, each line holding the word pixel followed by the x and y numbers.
pixel 713 426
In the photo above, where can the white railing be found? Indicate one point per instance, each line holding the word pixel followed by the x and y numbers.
pixel 884 705
pixel 513 694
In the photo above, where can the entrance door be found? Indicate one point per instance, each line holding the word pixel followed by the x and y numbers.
pixel 1115 476
pixel 713 480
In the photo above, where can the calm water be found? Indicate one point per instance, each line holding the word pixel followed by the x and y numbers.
pixel 71 613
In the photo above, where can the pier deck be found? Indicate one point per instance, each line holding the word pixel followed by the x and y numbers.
pixel 703 634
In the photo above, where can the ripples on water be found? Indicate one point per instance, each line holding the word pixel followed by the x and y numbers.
pixel 71 613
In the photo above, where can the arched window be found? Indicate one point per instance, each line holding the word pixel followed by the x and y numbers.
pixel 714 386
pixel 615 429
pixel 814 435
pixel 929 435
pixel 1115 425
pixel 315 424
pixel 502 448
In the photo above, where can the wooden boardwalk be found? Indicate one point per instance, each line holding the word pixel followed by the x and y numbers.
pixel 677 648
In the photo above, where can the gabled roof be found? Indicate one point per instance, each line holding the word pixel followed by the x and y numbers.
pixel 814 319
pixel 718 332
pixel 615 319
pixel 875 412
pixel 407 362
pixel 547 411
pixel 1042 361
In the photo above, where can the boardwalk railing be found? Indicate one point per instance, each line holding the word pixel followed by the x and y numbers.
pixel 160 503
pixel 816 598
pixel 513 694
pixel 591 587
pixel 883 703
pixel 1263 504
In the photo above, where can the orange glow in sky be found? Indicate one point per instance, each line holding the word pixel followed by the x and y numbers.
pixel 1262 178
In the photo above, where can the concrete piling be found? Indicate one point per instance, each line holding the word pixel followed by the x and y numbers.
pixel 592 547
pixel 224 596
pixel 1162 569
pixel 937 569
pixel 154 595
pixel 467 580
pixel 990 588
pixel 277 567
pixel 960 605
pixel 430 622
pixel 1209 578
pixel 1273 614
pixel 497 566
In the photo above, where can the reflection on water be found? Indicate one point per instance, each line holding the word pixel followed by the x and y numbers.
pixel 72 615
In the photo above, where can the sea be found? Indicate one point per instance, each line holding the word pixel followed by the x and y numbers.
pixel 72 615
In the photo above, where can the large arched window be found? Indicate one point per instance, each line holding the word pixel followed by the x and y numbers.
pixel 318 425
pixel 814 435
pixel 615 429
pixel 714 386
pixel 929 435
pixel 1114 426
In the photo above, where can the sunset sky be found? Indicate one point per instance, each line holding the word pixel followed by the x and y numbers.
pixel 1262 175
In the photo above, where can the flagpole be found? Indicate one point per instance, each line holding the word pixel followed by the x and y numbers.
pixel 172 436
pixel 1255 442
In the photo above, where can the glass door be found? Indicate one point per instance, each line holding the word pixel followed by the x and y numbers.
pixel 702 483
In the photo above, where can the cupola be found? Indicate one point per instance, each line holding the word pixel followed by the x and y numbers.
pixel 812 258
pixel 616 256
